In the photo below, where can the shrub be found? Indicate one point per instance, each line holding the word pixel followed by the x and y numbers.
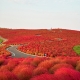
pixel 7 76
pixel 43 77
pixel 47 64
pixel 12 64
pixel 37 61
pixel 67 74
pixel 78 66
pixel 58 66
pixel 1 61
pixel 23 72
pixel 71 61
pixel 26 61
pixel 4 68
pixel 39 70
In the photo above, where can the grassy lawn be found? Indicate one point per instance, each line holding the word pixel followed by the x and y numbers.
pixel 77 49
pixel 1 40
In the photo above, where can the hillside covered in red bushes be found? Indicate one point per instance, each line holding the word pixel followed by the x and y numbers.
pixel 54 42
pixel 58 68
pixel 57 58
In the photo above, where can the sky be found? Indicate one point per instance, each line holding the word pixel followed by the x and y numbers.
pixel 40 14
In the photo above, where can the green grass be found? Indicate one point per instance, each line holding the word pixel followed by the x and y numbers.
pixel 77 49
pixel 1 40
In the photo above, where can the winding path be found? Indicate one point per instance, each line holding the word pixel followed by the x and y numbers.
pixel 18 54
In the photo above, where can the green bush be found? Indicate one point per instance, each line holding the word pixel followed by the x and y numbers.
pixel 1 40
pixel 77 49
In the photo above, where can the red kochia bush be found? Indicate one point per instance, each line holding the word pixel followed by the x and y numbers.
pixel 58 66
pixel 67 74
pixel 7 76
pixel 47 64
pixel 78 65
pixel 1 61
pixel 23 72
pixel 5 68
pixel 43 77
pixel 26 61
pixel 37 61
pixel 39 70
pixel 11 63
pixel 71 61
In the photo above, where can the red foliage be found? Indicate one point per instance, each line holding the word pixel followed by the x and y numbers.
pixel 23 72
pixel 52 46
pixel 67 74
pixel 3 51
pixel 43 77
pixel 7 76
pixel 37 61
pixel 47 64
pixel 78 65
pixel 57 43
pixel 12 64
pixel 1 61
pixel 26 61
pixel 71 61
pixel 58 66
pixel 51 43
pixel 39 70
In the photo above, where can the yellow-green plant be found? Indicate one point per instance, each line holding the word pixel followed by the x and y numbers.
pixel 77 49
